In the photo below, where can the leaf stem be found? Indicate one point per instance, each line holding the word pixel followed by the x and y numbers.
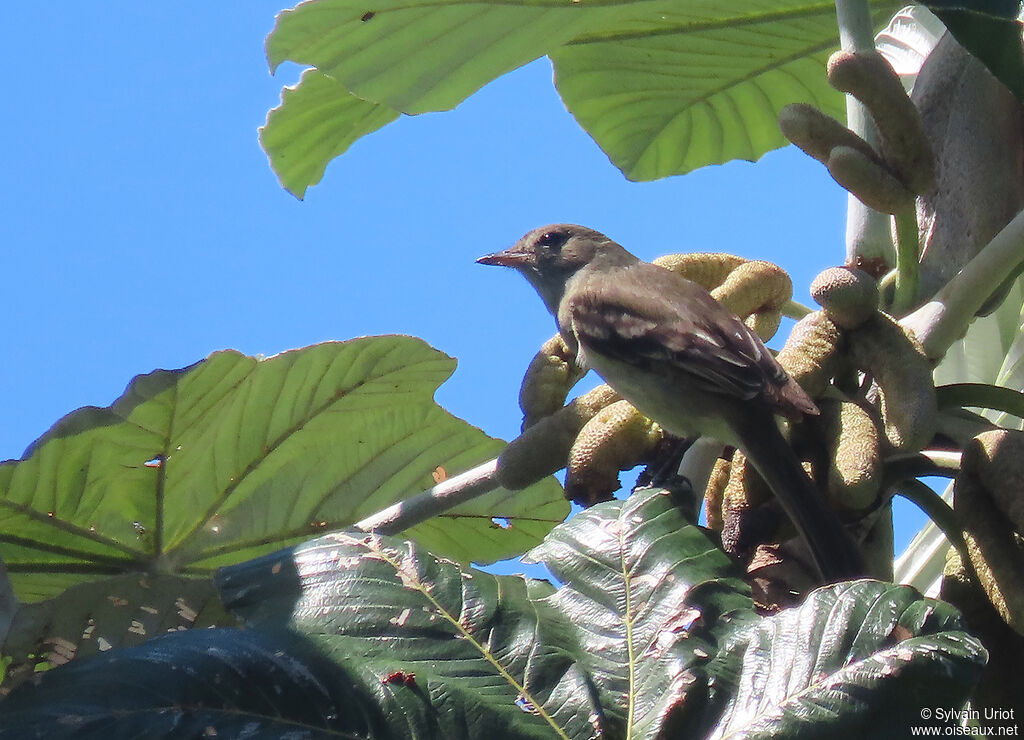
pixel 795 310
pixel 915 464
pixel 982 396
pixel 907 257
pixel 941 513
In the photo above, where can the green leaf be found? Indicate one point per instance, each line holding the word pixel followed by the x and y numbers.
pixel 235 456
pixel 646 600
pixel 424 55
pixel 702 84
pixel 94 617
pixel 492 657
pixel 982 396
pixel 991 31
pixel 650 636
pixel 317 120
pixel 992 352
pixel 662 89
pixel 652 595
pixel 861 659
pixel 200 683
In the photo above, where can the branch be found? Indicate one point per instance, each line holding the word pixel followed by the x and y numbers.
pixel 980 396
pixel 442 497
pixel 945 318
pixel 537 453
pixel 795 310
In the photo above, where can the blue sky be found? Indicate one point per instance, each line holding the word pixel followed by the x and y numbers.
pixel 142 226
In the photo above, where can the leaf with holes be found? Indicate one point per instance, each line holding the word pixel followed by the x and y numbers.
pixel 91 618
pixel 651 635
pixel 662 87
pixel 488 653
pixel 645 600
pixel 233 457
pixel 676 649
pixel 201 683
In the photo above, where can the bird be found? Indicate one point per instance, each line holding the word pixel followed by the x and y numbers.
pixel 666 345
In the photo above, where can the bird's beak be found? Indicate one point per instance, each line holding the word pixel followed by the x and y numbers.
pixel 508 258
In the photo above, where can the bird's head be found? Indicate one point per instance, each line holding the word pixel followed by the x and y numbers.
pixel 549 256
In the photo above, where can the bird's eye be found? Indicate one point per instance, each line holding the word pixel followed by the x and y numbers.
pixel 552 239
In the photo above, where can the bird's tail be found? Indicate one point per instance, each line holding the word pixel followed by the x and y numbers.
pixel 834 551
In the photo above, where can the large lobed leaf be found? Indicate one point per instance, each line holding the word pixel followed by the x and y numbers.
pixel 699 84
pixel 236 456
pixel 662 87
pixel 651 635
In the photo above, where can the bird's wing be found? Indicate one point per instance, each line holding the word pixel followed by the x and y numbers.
pixel 677 327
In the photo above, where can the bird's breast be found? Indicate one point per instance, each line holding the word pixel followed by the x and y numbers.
pixel 678 405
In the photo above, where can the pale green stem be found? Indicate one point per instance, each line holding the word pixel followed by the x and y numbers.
pixel 795 310
pixel 907 252
pixel 887 286
pixel 942 515
pixel 867 230
pixel 855 29
pixel 944 319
